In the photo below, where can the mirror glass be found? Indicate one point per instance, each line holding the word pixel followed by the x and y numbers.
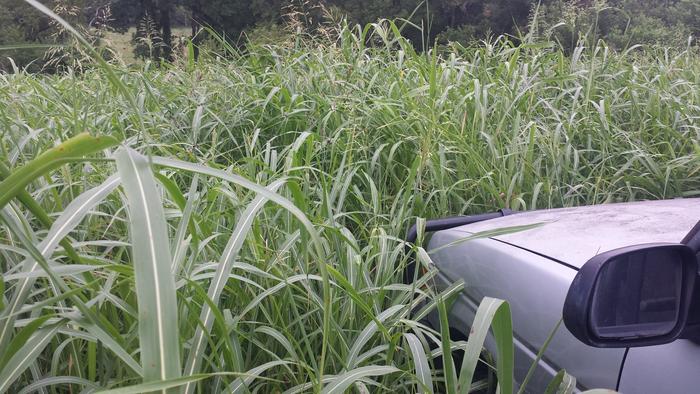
pixel 638 295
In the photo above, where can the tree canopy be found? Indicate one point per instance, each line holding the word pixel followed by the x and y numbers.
pixel 620 22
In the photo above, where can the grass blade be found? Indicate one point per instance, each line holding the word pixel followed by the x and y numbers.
pixel 240 385
pixel 71 149
pixel 420 362
pixel 223 271
pixel 368 332
pixel 56 380
pixel 488 234
pixel 342 382
pixel 492 313
pixel 155 286
pixel 26 355
pixel 286 204
pixel 554 383
pixel 71 216
pixel 162 385
pixel 446 344
pixel 537 359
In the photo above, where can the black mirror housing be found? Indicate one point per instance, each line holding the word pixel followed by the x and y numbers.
pixel 633 296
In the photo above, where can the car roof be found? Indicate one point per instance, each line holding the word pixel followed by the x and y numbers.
pixel 574 235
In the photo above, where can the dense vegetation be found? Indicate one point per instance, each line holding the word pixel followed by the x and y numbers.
pixel 622 23
pixel 250 219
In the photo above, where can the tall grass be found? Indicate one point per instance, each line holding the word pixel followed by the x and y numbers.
pixel 247 232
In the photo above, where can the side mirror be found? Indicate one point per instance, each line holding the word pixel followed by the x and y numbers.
pixel 633 296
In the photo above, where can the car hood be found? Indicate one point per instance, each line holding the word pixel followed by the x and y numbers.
pixel 574 235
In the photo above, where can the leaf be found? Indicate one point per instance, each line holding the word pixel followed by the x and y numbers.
pixel 420 362
pixel 537 359
pixel 21 338
pixel 274 289
pixel 228 347
pixel 447 362
pixel 160 385
pixel 223 270
pixel 307 386
pixel 350 289
pixel 26 355
pixel 280 338
pixel 286 204
pixel 492 313
pixel 368 332
pixel 568 385
pixel 31 46
pixel 36 386
pixel 70 150
pixel 71 216
pixel 187 221
pixel 341 382
pixel 240 385
pixel 278 199
pixel 110 343
pixel 553 384
pixel 155 285
pixel 451 291
pixel 63 270
pixel 488 234
pixel 33 206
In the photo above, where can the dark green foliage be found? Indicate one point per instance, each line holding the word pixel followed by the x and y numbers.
pixel 621 23
pixel 21 24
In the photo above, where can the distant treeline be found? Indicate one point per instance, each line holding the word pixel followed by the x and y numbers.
pixel 621 23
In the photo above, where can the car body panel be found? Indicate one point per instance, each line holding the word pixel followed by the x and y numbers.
pixel 535 287
pixel 670 368
pixel 574 235
pixel 533 270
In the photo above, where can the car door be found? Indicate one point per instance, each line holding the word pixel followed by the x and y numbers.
pixel 535 286
pixel 670 368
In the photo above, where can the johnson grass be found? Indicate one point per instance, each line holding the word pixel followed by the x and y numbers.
pixel 238 224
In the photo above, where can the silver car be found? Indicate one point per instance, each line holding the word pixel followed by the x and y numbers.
pixel 621 275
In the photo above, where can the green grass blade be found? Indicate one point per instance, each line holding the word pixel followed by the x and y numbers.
pixel 31 46
pixel 367 333
pixel 109 341
pixel 537 359
pixel 554 383
pixel 53 381
pixel 21 338
pixel 236 179
pixel 26 355
pixel 343 381
pixel 568 385
pixel 155 286
pixel 73 214
pixel 225 265
pixel 70 150
pixel 240 385
pixel 33 206
pixel 488 234
pixel 158 385
pixel 446 344
pixel 288 205
pixel 186 222
pixel 420 362
pixel 492 313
